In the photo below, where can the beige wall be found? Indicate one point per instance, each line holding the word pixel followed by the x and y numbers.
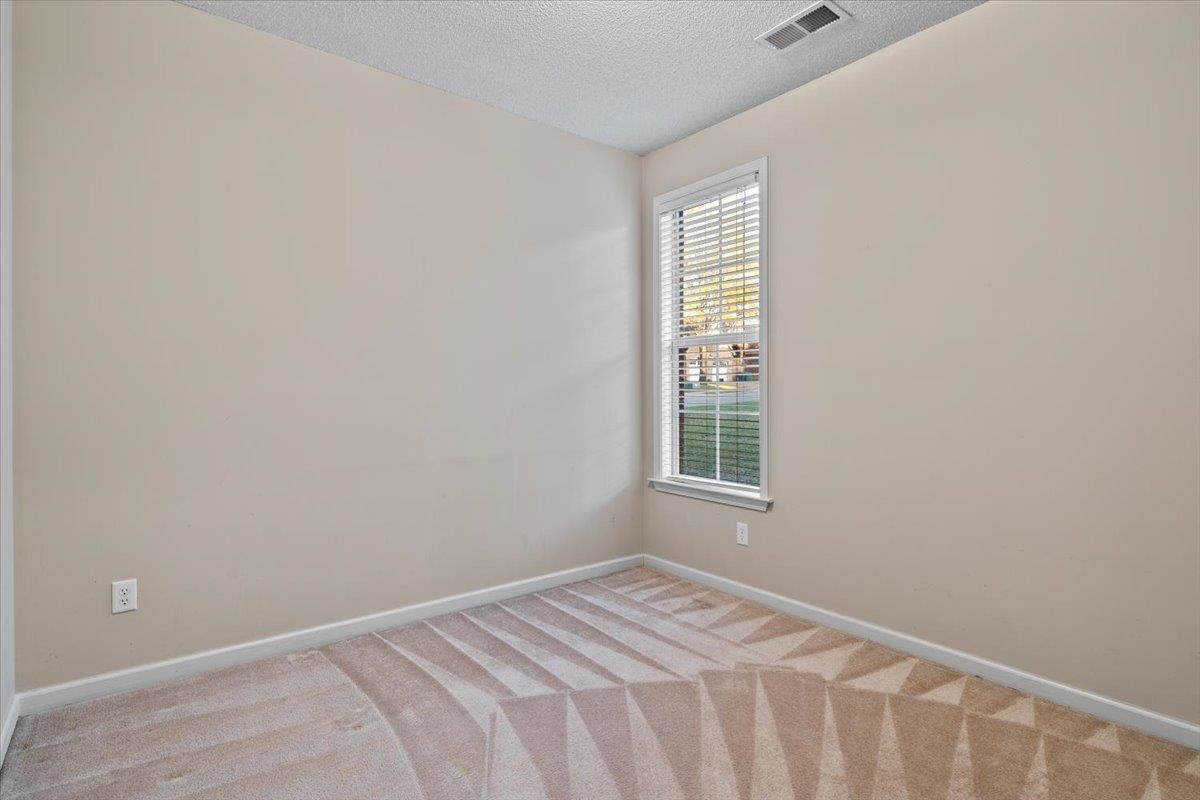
pixel 297 340
pixel 984 350
pixel 7 632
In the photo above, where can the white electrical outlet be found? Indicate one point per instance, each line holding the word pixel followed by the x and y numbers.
pixel 743 534
pixel 124 596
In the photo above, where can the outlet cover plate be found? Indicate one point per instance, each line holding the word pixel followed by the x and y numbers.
pixel 743 534
pixel 124 596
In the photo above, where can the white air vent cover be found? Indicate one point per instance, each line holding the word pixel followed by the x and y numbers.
pixel 812 19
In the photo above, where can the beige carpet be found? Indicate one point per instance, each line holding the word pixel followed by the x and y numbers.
pixel 637 685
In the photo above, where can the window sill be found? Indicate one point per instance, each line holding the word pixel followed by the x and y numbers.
pixel 713 494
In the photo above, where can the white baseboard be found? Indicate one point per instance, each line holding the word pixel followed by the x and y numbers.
pixel 1153 723
pixel 9 725
pixel 37 700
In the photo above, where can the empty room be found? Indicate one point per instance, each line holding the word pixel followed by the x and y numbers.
pixel 599 400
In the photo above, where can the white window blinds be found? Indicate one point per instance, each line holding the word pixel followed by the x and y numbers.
pixel 710 335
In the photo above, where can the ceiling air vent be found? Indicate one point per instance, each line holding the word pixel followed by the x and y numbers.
pixel 818 18
pixel 811 20
pixel 785 36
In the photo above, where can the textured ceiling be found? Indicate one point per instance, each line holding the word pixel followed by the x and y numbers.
pixel 632 74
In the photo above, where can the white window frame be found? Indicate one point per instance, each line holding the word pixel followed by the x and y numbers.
pixel 701 488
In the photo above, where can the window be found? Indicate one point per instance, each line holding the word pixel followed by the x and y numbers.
pixel 710 254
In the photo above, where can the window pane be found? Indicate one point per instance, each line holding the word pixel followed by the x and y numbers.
pixel 717 412
pixel 713 247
